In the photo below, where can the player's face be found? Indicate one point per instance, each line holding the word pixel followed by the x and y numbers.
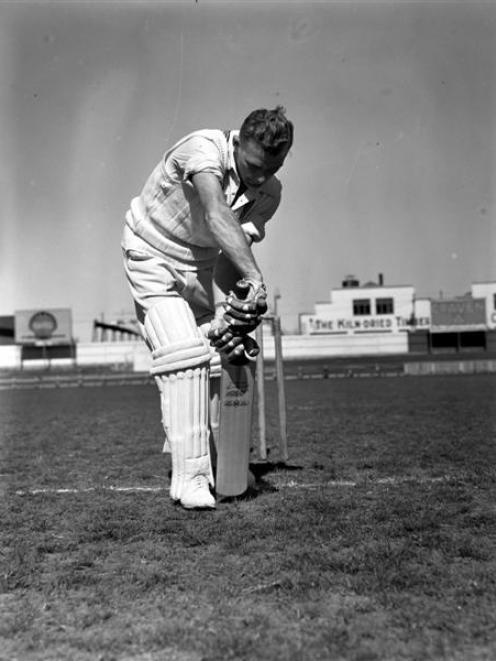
pixel 254 164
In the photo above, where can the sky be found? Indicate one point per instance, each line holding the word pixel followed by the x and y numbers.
pixel 392 169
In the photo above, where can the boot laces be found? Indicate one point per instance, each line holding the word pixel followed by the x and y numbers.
pixel 200 482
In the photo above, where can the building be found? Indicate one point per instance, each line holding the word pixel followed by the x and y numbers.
pixel 378 318
pixel 373 319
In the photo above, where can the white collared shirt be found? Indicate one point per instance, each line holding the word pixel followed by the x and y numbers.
pixel 168 214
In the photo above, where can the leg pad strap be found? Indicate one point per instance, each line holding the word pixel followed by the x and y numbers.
pixel 180 356
pixel 176 341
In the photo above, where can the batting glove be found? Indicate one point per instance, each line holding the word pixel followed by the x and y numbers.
pixel 245 306
pixel 238 349
pixel 250 352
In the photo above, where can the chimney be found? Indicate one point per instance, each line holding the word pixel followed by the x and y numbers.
pixel 381 279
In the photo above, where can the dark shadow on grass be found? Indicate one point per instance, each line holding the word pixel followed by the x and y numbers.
pixel 261 487
pixel 261 468
pixel 258 469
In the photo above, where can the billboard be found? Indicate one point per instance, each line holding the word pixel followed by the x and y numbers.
pixel 43 326
pixel 458 314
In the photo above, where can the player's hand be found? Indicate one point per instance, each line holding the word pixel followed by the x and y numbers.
pixel 239 350
pixel 245 306
pixel 250 352
pixel 224 340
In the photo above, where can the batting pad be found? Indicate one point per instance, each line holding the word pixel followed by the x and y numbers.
pixel 181 365
pixel 177 342
pixel 215 365
pixel 185 414
pixel 215 361
pixel 214 410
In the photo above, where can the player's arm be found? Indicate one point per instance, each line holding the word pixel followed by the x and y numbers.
pixel 226 275
pixel 247 300
pixel 227 286
pixel 235 260
pixel 225 227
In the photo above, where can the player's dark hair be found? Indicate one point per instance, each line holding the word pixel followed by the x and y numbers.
pixel 271 129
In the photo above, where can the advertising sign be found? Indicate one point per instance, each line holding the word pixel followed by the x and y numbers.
pixel 43 326
pixel 458 314
pixel 314 325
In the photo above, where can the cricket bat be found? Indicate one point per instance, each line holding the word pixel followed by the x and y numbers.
pixel 237 388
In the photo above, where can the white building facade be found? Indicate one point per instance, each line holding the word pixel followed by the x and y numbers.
pixel 487 292
pixel 377 318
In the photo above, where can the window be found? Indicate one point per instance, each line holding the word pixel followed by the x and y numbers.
pixel 494 301
pixel 384 306
pixel 361 306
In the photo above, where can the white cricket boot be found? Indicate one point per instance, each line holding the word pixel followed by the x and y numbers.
pixel 196 493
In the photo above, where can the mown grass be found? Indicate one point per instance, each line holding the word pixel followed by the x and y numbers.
pixel 402 569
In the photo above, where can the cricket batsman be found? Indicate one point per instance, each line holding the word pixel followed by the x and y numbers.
pixel 197 288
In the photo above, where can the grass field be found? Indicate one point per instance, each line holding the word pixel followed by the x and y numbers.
pixel 376 542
